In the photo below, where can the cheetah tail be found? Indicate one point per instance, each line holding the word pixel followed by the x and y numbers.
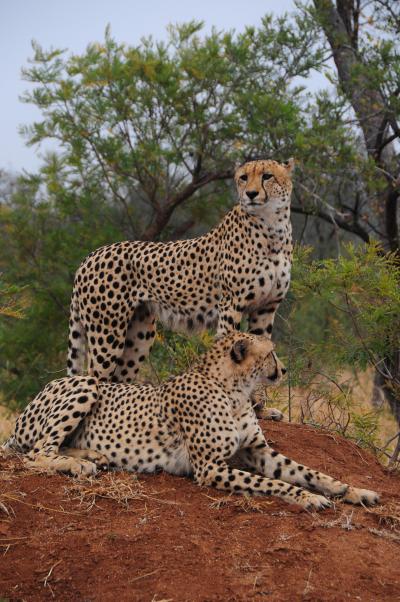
pixel 77 343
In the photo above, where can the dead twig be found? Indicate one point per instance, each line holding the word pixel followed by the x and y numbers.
pixel 143 576
pixel 47 577
pixel 385 534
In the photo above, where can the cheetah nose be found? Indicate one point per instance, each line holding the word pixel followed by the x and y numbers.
pixel 283 370
pixel 252 194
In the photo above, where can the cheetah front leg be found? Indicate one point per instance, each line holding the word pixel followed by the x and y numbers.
pixel 261 322
pixel 275 465
pixel 210 465
pixel 233 480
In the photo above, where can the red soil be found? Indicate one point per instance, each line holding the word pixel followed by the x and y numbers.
pixel 175 543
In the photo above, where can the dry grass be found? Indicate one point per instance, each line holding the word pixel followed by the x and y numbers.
pixel 354 395
pixel 388 515
pixel 6 510
pixel 343 521
pixel 385 534
pixel 118 487
pixel 12 465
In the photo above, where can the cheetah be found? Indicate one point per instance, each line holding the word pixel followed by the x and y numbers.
pixel 239 269
pixel 192 424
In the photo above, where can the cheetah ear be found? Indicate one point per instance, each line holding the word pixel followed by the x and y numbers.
pixel 239 351
pixel 290 165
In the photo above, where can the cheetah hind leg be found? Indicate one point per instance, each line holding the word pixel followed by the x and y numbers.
pixel 48 459
pixel 258 399
pixel 61 421
pixel 138 343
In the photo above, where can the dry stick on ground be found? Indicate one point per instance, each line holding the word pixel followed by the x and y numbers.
pixel 144 575
pixel 47 577
pixel 40 506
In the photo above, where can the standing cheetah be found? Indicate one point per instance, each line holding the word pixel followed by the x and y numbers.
pixel 192 424
pixel 240 268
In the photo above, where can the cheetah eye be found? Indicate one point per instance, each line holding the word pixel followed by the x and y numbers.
pixel 243 178
pixel 267 176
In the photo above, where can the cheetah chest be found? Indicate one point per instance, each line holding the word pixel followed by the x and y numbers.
pixel 269 281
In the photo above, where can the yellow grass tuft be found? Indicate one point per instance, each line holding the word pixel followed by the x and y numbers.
pixel 118 487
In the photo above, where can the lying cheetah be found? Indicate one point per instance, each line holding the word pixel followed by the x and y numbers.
pixel 240 268
pixel 191 424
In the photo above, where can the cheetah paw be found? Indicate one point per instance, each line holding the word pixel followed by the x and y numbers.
pixel 363 497
pixel 82 468
pixel 331 487
pixel 76 468
pixel 100 460
pixel 64 464
pixel 312 501
pixel 270 414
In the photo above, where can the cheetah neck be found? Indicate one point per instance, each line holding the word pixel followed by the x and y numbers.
pixel 237 387
pixel 273 225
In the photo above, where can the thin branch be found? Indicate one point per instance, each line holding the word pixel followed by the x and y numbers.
pixel 354 227
pixel 161 219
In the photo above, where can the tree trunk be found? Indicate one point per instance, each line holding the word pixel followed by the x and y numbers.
pixel 340 25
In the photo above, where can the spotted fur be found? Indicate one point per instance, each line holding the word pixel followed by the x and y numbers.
pixel 240 268
pixel 192 424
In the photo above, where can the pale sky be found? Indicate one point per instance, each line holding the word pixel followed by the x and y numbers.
pixel 72 24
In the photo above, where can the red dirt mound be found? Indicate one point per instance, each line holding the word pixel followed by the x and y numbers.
pixel 162 538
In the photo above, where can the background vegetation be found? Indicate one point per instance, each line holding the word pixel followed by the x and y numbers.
pixel 147 138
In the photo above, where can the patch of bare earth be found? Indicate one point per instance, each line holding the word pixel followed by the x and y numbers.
pixel 159 537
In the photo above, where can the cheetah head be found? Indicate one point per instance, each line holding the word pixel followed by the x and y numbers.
pixel 242 360
pixel 264 185
pixel 255 356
